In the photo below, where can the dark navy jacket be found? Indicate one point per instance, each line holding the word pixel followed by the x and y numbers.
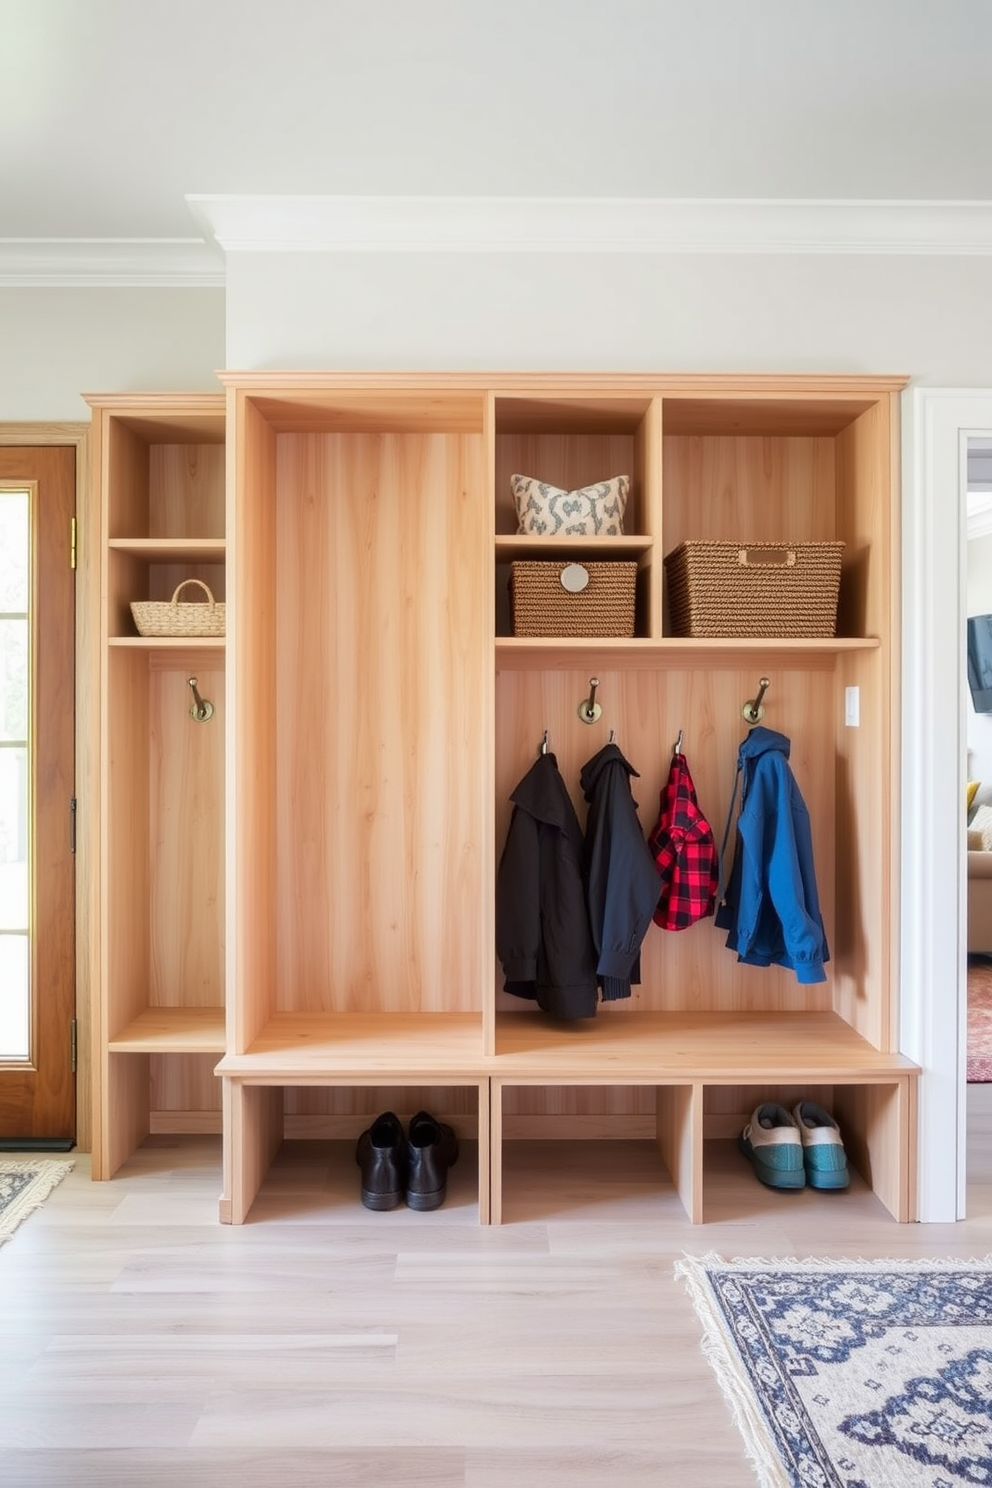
pixel 771 907
pixel 622 883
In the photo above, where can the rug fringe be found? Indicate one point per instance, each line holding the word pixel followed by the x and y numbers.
pixel 836 1263
pixel 721 1355
pixel 49 1173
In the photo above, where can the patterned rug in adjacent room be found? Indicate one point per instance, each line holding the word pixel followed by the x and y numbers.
pixel 853 1374
pixel 979 1020
pixel 25 1183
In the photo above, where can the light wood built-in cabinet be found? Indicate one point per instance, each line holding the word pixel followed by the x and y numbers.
pixel 319 860
pixel 159 1022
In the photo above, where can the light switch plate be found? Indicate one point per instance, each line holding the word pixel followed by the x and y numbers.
pixel 852 707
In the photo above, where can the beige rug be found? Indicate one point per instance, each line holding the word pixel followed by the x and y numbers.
pixel 25 1183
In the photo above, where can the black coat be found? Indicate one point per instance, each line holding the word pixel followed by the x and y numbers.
pixel 543 937
pixel 622 883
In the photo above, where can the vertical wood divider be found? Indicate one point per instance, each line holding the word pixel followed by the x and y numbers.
pixel 487 939
pixel 650 437
pixel 128 1100
pixel 495 1150
pixel 485 1151
pixel 679 1137
pixel 253 1131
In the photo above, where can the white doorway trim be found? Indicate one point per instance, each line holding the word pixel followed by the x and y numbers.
pixel 937 423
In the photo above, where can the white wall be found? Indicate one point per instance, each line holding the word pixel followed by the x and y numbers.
pixel 56 344
pixel 930 318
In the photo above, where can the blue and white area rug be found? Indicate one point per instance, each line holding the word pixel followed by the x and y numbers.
pixel 853 1374
pixel 24 1184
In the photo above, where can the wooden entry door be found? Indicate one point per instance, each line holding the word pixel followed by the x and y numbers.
pixel 37 805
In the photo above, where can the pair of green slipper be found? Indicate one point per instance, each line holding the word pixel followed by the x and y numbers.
pixel 789 1149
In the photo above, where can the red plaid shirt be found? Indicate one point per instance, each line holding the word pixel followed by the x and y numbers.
pixel 685 853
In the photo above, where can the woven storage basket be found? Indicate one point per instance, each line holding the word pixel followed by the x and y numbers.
pixel 156 617
pixel 542 605
pixel 754 589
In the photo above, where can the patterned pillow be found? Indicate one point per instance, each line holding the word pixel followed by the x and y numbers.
pixel 547 511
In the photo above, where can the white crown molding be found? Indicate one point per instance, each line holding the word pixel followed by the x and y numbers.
pixel 409 224
pixel 93 263
pixel 426 224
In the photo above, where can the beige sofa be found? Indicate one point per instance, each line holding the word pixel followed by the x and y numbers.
pixel 980 902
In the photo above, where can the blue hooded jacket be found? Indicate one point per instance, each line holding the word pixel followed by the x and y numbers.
pixel 771 907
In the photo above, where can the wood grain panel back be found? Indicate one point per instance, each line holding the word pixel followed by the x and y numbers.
pixel 689 970
pixel 569 461
pixel 382 651
pixel 184 1082
pixel 748 489
pixel 186 490
pixel 186 830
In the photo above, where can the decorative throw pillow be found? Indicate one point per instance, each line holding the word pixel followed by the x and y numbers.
pixel 548 511
pixel 972 789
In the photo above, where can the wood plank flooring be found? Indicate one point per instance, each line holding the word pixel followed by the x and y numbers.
pixel 144 1344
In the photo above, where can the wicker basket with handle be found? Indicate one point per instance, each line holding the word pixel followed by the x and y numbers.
pixel 157 617
pixel 754 589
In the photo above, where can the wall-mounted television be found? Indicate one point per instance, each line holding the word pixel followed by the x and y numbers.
pixel 980 662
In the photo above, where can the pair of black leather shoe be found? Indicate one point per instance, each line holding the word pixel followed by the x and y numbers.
pixel 412 1166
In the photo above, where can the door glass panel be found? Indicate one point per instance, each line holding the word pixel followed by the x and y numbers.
pixel 15 816
pixel 14 839
pixel 14 552
pixel 14 1000
pixel 14 680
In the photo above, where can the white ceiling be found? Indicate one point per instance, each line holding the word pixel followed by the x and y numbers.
pixel 112 112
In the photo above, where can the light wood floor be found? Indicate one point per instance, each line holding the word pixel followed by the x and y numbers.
pixel 144 1344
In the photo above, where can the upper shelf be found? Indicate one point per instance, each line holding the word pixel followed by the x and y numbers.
pixel 173 1030
pixel 509 546
pixel 521 653
pixel 171 549
pixel 169 643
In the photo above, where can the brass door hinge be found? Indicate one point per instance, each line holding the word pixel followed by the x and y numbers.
pixel 72 1044
pixel 72 542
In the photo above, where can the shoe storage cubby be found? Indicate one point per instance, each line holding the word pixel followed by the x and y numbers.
pixel 261 1117
pixel 160 1016
pixel 379 712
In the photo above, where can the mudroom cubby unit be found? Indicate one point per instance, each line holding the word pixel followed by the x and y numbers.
pixel 160 1014
pixel 379 712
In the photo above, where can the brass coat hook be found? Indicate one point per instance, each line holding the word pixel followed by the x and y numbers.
pixel 201 709
pixel 752 712
pixel 589 709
